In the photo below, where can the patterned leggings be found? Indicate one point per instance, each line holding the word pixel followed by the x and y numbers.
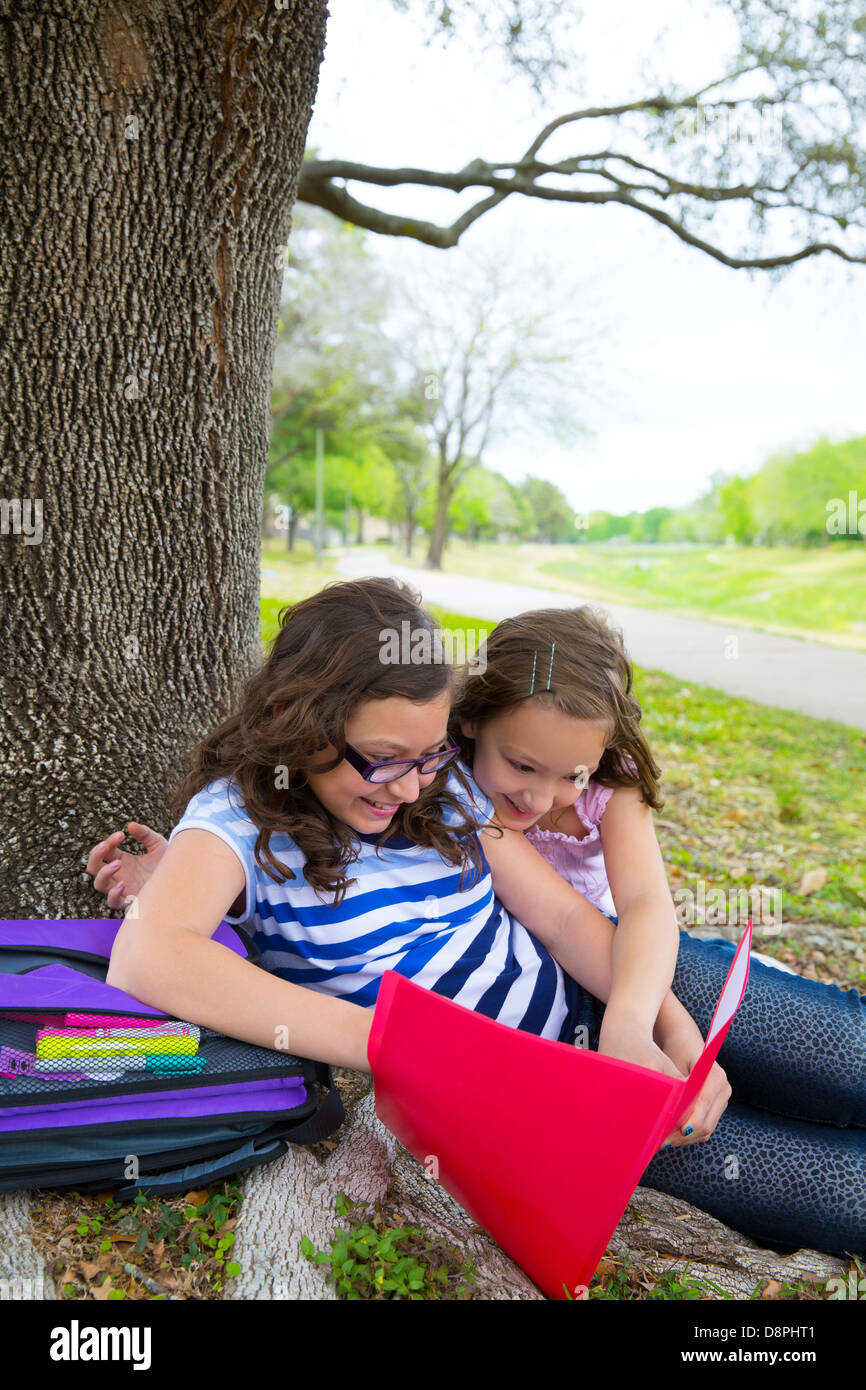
pixel 786 1163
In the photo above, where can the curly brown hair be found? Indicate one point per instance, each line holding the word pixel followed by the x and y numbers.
pixel 590 678
pixel 325 659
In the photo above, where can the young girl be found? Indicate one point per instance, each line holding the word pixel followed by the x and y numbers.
pixel 786 1164
pixel 303 713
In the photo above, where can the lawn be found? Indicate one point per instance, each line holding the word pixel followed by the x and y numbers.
pixel 812 593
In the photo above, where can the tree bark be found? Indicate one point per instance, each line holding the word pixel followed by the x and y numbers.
pixel 439 534
pixel 151 157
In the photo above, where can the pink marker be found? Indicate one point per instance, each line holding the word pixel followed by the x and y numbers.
pixel 110 1021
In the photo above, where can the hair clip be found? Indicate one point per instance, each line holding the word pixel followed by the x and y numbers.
pixel 534 659
pixel 550 671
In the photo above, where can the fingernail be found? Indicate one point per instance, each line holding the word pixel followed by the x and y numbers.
pixel 665 1146
pixel 689 1129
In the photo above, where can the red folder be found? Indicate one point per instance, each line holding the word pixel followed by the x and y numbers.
pixel 542 1143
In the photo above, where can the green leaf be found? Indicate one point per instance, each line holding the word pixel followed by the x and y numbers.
pixel 233 1269
pixel 307 1247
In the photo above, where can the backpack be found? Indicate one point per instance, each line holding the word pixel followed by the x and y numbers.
pixel 102 1093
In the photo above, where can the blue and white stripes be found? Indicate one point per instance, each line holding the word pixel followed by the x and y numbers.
pixel 403 912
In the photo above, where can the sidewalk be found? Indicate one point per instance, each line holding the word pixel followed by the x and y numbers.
pixel 822 681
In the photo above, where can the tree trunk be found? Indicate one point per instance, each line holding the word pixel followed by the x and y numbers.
pixel 150 156
pixel 439 534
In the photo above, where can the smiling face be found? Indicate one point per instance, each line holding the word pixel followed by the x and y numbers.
pixel 532 759
pixel 380 730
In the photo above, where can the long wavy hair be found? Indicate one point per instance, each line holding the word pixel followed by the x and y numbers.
pixel 590 678
pixel 326 659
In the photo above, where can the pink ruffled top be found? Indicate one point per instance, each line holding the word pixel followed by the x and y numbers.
pixel 581 862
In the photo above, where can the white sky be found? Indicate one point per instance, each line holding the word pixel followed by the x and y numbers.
pixel 706 367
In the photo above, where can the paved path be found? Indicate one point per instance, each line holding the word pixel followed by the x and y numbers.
pixel 823 681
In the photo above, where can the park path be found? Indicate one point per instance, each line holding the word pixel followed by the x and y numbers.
pixel 822 681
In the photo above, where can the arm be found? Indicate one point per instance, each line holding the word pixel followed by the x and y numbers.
pixel 575 933
pixel 581 939
pixel 164 956
pixel 647 937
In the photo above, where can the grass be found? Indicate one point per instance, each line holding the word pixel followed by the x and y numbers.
pixel 372 1259
pixel 147 1249
pixel 810 593
pixel 286 577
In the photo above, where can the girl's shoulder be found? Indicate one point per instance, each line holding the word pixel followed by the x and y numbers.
pixel 219 807
pixel 593 800
pixel 582 819
pixel 216 800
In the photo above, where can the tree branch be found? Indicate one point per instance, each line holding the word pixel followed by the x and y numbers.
pixel 322 183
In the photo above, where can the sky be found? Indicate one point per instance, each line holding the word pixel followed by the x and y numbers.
pixel 693 367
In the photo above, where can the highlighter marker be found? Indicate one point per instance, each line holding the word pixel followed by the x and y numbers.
pixel 171 1066
pixel 112 1047
pixel 160 1030
pixel 56 1064
pixel 74 1020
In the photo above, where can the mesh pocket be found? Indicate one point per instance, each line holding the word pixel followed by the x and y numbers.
pixel 45 1056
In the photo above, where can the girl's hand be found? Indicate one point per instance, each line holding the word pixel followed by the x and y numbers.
pixel 130 872
pixel 682 1041
pixel 682 1048
pixel 630 1042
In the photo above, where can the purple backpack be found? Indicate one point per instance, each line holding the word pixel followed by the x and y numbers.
pixel 100 1092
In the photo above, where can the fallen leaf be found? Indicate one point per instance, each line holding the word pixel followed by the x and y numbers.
pixel 196 1199
pixel 812 880
pixel 772 1288
pixel 101 1291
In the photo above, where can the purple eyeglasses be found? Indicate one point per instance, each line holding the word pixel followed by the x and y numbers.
pixel 393 771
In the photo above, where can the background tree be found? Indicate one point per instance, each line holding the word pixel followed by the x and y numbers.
pixel 492 363
pixel 333 370
pixel 553 517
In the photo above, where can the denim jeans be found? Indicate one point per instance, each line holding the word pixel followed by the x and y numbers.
pixel 786 1163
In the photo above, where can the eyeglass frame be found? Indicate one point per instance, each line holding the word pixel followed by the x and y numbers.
pixel 366 768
